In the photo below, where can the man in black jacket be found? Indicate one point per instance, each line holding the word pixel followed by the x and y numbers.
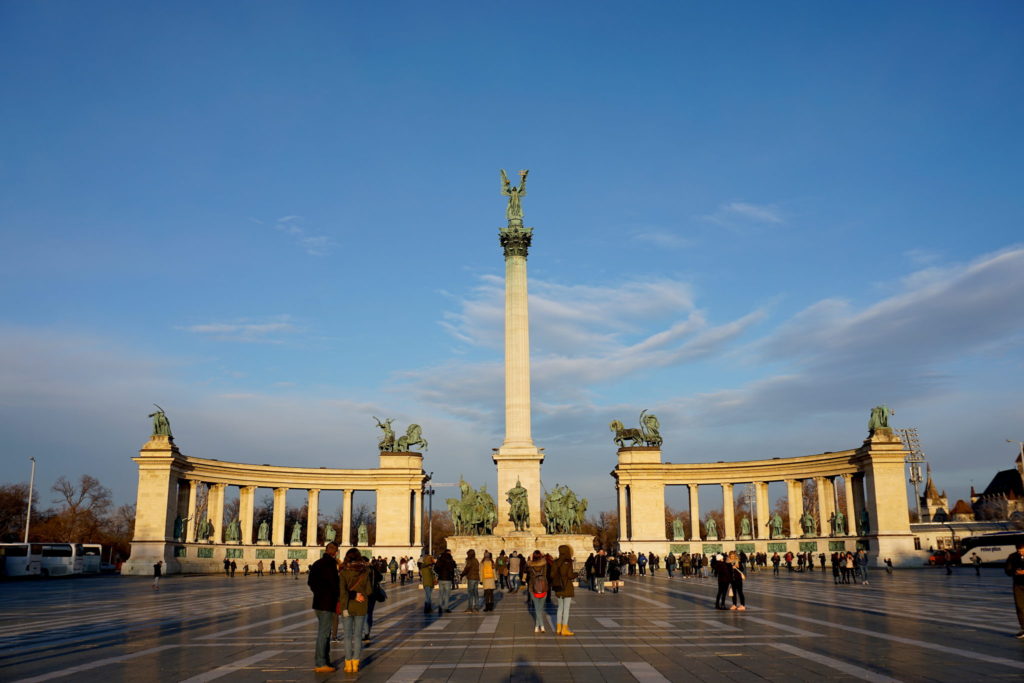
pixel 1015 568
pixel 445 569
pixel 323 581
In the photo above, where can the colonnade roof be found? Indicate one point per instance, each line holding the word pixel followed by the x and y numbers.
pixel 740 472
pixel 402 470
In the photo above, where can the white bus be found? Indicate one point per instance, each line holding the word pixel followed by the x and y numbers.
pixel 21 559
pixel 991 548
pixel 51 559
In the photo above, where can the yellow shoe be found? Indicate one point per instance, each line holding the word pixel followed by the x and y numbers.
pixel 566 631
pixel 348 666
pixel 558 629
pixel 355 666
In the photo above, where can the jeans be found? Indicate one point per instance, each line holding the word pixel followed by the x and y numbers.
pixel 473 591
pixel 322 656
pixel 599 583
pixel 444 589
pixel 513 581
pixel 353 636
pixel 563 611
pixel 428 592
pixel 862 571
pixel 538 610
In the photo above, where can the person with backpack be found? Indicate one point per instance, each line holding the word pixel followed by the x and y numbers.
pixel 562 574
pixel 428 582
pixel 539 582
pixel 488 580
pixel 445 570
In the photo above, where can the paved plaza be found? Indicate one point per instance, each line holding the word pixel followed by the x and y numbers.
pixel 916 625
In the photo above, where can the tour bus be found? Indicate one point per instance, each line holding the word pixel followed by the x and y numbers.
pixel 51 559
pixel 991 548
pixel 21 559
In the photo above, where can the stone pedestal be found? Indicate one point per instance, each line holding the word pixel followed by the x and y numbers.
pixel 889 532
pixel 524 542
pixel 522 465
pixel 160 467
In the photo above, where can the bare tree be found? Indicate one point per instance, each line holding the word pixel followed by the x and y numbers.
pixel 13 506
pixel 81 507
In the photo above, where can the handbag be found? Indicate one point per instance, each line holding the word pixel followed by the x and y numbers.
pixel 379 594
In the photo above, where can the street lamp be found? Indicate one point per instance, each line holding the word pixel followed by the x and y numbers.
pixel 430 514
pixel 915 456
pixel 31 484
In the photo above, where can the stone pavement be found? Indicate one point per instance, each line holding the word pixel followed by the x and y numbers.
pixel 917 625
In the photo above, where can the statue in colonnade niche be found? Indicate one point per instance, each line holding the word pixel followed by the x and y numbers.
pixel 264 532
pixel 840 523
pixel 179 527
pixel 519 506
pixel 296 534
pixel 677 530
pixel 161 425
pixel 863 527
pixel 711 528
pixel 808 523
pixel 387 440
pixel 233 534
pixel 775 526
pixel 745 526
pixel 205 530
pixel 363 535
pixel 329 533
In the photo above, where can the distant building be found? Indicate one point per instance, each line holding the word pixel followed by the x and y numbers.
pixel 1003 498
pixel 934 506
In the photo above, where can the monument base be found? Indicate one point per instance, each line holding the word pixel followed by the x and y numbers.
pixel 523 542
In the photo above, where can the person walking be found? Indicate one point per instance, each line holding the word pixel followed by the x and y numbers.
pixel 323 581
pixel 670 564
pixel 562 575
pixel 273 568
pixel 488 579
pixel 1014 568
pixel 428 581
pixel 233 567
pixel 588 571
pixel 393 569
pixel 403 566
pixel 538 583
pixel 776 561
pixel 227 567
pixel 501 564
pixel 373 597
pixel 600 570
pixel 515 562
pixel 471 573
pixel 354 603
pixel 157 571
pixel 861 562
pixel 445 570
pixel 641 563
pixel 259 568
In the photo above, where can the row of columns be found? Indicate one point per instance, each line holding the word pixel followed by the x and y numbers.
pixel 761 514
pixel 188 495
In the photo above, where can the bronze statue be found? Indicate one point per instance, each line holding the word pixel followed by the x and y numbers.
pixel 363 535
pixel 840 524
pixel 296 534
pixel 387 441
pixel 879 418
pixel 711 527
pixel 649 433
pixel 514 212
pixel 233 534
pixel 413 437
pixel 677 530
pixel 161 425
pixel 329 533
pixel 775 526
pixel 264 531
pixel 519 507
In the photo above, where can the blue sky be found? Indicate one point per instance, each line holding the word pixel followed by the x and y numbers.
pixel 277 220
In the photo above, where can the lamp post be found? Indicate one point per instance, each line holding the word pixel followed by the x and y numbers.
pixel 430 514
pixel 31 484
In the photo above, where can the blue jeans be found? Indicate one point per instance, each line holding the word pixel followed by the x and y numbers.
pixel 862 571
pixel 599 584
pixel 538 610
pixel 324 619
pixel 473 591
pixel 353 635
pixel 428 591
pixel 513 581
pixel 563 611
pixel 444 589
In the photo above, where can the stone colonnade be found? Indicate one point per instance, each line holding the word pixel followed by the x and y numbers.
pixel 872 476
pixel 168 497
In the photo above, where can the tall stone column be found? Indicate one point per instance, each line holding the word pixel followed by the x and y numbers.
pixel 160 468
pixel 346 518
pixel 216 507
pixel 417 515
pixel 312 517
pixel 795 495
pixel 623 530
pixel 823 506
pixel 763 513
pixel 518 459
pixel 729 513
pixel 694 513
pixel 851 510
pixel 246 503
pixel 882 457
pixel 193 502
pixel 280 508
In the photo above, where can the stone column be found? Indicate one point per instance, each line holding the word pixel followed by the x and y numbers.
pixel 728 513
pixel 851 510
pixel 795 495
pixel 763 513
pixel 346 519
pixel 215 504
pixel 181 507
pixel 858 502
pixel 280 508
pixel 882 460
pixel 193 495
pixel 160 468
pixel 312 517
pixel 246 502
pixel 823 505
pixel 623 531
pixel 694 514
pixel 417 513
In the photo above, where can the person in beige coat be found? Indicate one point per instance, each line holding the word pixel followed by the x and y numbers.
pixel 488 572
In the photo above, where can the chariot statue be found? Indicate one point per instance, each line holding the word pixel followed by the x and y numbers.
pixel 387 440
pixel 648 434
pixel 413 437
pixel 879 418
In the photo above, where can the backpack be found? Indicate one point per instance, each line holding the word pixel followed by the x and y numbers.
pixel 539 585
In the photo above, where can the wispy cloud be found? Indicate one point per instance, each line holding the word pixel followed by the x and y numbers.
pixel 314 245
pixel 244 330
pixel 734 214
pixel 663 238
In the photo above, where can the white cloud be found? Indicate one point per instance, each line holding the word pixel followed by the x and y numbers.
pixel 735 214
pixel 314 245
pixel 664 239
pixel 246 331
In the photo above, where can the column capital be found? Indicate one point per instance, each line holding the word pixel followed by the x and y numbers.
pixel 515 240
